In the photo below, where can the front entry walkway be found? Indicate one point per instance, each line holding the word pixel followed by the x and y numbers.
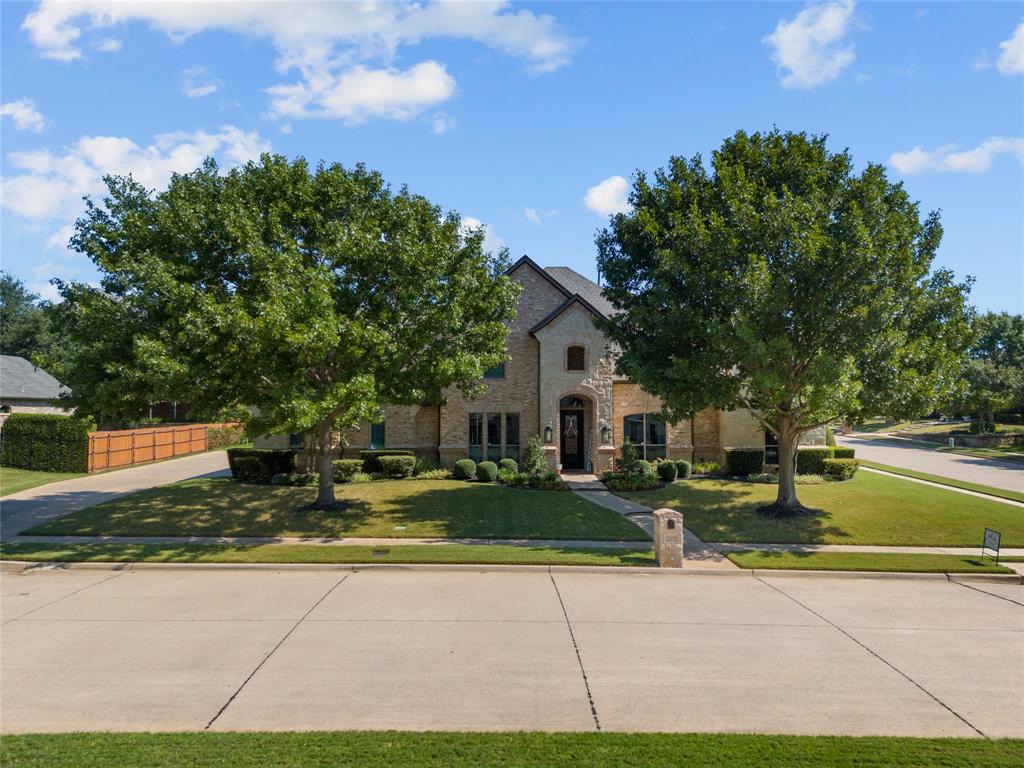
pixel 695 551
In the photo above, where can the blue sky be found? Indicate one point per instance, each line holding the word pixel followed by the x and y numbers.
pixel 524 117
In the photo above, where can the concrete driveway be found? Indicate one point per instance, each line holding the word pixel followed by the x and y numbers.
pixel 34 506
pixel 1008 475
pixel 479 649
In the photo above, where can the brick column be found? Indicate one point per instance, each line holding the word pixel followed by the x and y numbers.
pixel 668 538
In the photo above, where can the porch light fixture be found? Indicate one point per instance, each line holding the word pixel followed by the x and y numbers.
pixel 606 434
pixel 548 433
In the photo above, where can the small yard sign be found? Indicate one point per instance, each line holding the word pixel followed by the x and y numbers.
pixel 991 542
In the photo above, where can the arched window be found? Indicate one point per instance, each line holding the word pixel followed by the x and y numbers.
pixel 575 359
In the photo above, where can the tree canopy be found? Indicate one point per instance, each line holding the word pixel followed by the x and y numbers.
pixel 782 281
pixel 317 295
pixel 24 320
pixel 994 372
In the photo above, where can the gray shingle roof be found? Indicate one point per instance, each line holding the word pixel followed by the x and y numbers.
pixel 574 282
pixel 19 379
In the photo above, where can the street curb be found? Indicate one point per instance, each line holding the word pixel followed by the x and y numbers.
pixel 21 566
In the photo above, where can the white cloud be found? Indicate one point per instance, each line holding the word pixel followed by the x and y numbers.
pixel 810 48
pixel 441 123
pixel 492 243
pixel 608 197
pixel 948 159
pixel 342 50
pixel 24 114
pixel 196 82
pixel 360 93
pixel 108 45
pixel 532 215
pixel 1011 60
pixel 49 186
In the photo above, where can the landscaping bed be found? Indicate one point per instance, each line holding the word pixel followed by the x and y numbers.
pixel 865 561
pixel 869 509
pixel 398 749
pixel 383 508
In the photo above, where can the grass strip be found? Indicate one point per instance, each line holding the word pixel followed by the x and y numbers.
pixel 864 561
pixel 951 482
pixel 13 479
pixel 402 749
pixel 485 554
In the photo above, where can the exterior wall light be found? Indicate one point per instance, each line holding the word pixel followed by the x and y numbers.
pixel 549 435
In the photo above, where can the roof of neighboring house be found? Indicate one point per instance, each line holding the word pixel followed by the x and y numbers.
pixel 582 286
pixel 19 379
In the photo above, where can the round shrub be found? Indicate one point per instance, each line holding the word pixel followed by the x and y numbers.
pixel 841 469
pixel 344 469
pixel 642 468
pixel 397 466
pixel 465 469
pixel 811 461
pixel 509 464
pixel 667 471
pixel 683 469
pixel 487 471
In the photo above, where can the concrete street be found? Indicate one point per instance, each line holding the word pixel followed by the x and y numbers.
pixel 1007 475
pixel 478 648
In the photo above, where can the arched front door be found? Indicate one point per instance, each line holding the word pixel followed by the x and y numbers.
pixel 572 430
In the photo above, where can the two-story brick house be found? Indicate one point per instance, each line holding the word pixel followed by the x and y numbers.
pixel 559 383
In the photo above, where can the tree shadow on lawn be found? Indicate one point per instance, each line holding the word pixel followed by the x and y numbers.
pixel 729 514
pixel 391 508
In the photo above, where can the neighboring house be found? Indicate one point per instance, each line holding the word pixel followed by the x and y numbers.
pixel 559 383
pixel 27 389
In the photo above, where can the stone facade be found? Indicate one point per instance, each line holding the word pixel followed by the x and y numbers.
pixel 538 378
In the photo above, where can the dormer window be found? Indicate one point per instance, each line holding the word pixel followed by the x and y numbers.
pixel 575 359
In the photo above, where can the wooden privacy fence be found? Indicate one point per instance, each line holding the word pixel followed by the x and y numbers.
pixel 128 447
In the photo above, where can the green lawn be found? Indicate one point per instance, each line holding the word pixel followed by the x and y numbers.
pixel 484 554
pixel 402 749
pixel 386 508
pixel 865 561
pixel 988 489
pixel 870 509
pixel 13 480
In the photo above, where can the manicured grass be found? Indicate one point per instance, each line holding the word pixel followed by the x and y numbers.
pixel 870 509
pixel 13 480
pixel 882 425
pixel 864 561
pixel 946 428
pixel 484 554
pixel 402 749
pixel 987 489
pixel 386 508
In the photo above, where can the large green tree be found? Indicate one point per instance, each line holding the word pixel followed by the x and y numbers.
pixel 781 281
pixel 24 325
pixel 317 295
pixel 994 372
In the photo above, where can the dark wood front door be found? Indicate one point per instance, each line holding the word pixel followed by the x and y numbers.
pixel 572 439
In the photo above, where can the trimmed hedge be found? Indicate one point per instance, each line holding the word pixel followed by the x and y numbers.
pixel 844 469
pixel 510 465
pixel 667 471
pixel 277 461
pixel 487 471
pixel 843 453
pixel 46 442
pixel 371 458
pixel 642 468
pixel 683 469
pixel 744 461
pixel 811 461
pixel 397 466
pixel 344 470
pixel 248 469
pixel 465 469
pixel 222 437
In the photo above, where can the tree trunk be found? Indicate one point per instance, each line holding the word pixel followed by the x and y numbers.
pixel 786 503
pixel 325 488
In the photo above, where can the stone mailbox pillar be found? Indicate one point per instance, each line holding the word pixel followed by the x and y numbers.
pixel 668 538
